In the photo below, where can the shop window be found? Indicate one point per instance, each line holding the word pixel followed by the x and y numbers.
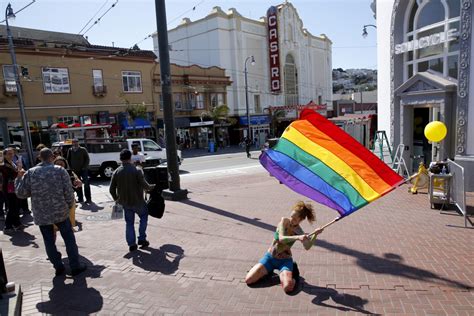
pixel 411 21
pixel 434 49
pixel 453 62
pixel 56 80
pixel 454 8
pixel 454 45
pixel 132 81
pixel 431 13
pixel 68 120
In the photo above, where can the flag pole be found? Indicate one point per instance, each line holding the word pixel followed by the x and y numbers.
pixel 328 224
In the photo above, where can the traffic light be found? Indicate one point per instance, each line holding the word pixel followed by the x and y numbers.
pixel 24 71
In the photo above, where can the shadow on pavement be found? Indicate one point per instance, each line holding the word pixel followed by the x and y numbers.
pixel 346 302
pixel 23 239
pixel 164 260
pixel 76 297
pixel 391 264
pixel 218 211
pixel 91 207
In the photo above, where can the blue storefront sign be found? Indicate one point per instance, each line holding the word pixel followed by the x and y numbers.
pixel 255 120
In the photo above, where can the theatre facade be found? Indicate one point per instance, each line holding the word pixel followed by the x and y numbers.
pixel 424 56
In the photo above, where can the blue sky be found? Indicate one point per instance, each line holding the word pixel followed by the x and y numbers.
pixel 130 21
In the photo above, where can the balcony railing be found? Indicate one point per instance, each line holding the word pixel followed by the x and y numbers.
pixel 99 90
pixel 9 88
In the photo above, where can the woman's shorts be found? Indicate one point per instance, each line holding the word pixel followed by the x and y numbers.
pixel 271 263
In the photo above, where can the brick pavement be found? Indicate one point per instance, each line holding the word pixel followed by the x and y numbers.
pixel 395 256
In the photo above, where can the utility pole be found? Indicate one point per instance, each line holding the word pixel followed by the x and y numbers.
pixel 174 193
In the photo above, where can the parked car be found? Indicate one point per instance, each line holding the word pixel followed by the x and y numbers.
pixel 104 157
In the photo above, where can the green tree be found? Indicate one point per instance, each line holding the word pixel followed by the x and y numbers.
pixel 219 114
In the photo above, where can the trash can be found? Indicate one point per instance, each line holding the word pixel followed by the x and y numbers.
pixel 157 175
pixel 211 146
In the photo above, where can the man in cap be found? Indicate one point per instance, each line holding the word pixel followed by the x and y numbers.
pixel 49 187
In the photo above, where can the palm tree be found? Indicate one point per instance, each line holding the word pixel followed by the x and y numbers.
pixel 219 114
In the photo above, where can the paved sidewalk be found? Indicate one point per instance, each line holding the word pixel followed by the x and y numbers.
pixel 395 256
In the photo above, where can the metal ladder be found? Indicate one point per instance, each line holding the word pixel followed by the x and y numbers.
pixel 382 147
pixel 398 164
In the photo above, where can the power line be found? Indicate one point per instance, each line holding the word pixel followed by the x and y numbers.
pixel 98 20
pixel 103 5
pixel 26 6
pixel 174 19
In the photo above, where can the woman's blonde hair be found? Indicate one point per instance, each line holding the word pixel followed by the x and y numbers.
pixel 304 211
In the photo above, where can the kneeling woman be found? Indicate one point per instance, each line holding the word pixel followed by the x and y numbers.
pixel 279 255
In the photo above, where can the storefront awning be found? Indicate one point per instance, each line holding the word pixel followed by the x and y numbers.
pixel 139 123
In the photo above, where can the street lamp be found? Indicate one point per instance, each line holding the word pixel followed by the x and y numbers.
pixel 26 129
pixel 247 93
pixel 364 30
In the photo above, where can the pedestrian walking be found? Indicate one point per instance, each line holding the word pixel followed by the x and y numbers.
pixel 279 254
pixel 9 173
pixel 248 143
pixel 52 197
pixel 78 160
pixel 19 162
pixel 127 188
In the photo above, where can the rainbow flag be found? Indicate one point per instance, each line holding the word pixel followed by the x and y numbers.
pixel 319 160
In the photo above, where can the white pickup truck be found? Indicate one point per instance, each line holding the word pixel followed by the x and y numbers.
pixel 104 157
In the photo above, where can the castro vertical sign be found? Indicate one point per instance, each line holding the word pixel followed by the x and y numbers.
pixel 273 49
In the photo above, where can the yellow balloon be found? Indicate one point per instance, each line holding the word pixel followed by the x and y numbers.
pixel 435 131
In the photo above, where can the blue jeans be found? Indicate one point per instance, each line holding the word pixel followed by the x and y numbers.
pixel 84 175
pixel 130 225
pixel 54 256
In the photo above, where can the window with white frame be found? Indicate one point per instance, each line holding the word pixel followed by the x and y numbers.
pixel 132 81
pixel 200 101
pixel 9 78
pixel 56 80
pixel 256 103
pixel 97 78
pixel 427 18
pixel 178 100
pixel 217 99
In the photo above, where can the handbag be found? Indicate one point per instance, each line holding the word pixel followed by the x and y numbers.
pixel 155 204
pixel 117 211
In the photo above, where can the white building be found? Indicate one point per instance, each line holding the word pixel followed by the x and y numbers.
pixel 424 56
pixel 300 62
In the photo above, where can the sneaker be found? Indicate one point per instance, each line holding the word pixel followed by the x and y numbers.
pixel 60 271
pixel 79 270
pixel 143 243
pixel 133 248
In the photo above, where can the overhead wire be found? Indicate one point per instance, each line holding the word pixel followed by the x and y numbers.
pixel 171 21
pixel 98 20
pixel 103 5
pixel 26 6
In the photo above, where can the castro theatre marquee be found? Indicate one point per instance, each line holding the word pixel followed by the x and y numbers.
pixel 292 66
pixel 424 55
